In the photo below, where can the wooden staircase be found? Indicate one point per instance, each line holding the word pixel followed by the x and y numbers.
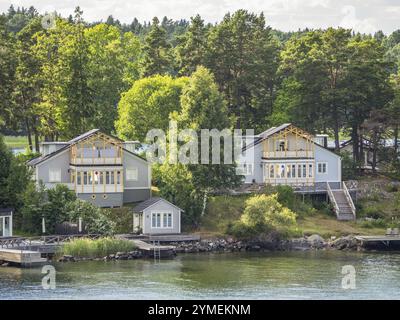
pixel 343 204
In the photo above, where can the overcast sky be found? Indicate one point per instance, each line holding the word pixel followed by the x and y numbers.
pixel 361 15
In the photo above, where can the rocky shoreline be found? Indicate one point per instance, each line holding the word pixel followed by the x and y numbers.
pixel 313 242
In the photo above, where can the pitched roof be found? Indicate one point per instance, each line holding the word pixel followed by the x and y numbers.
pixel 85 135
pixel 149 202
pixel 265 134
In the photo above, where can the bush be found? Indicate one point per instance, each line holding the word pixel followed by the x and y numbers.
pixel 291 200
pixel 94 219
pixel 243 231
pixel 87 248
pixel 375 223
pixel 265 210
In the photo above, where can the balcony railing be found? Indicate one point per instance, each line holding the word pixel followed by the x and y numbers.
pixel 95 161
pixel 97 188
pixel 289 154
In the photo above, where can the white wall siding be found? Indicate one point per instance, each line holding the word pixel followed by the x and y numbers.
pixel 334 165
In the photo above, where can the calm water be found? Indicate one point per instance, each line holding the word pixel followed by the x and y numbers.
pixel 294 275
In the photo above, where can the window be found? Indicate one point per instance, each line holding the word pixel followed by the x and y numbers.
pixel 132 174
pixel 167 220
pixel 293 171
pixel 161 220
pixel 310 170
pixel 79 178
pixel 304 171
pixel 156 220
pixel 288 171
pixel 55 175
pixel 322 167
pixel 271 171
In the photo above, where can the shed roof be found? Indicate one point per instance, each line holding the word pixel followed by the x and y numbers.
pixel 149 202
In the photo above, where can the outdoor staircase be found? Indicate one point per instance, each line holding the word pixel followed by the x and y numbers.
pixel 342 201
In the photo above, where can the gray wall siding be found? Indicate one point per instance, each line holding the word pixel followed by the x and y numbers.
pixel 163 207
pixel 334 165
pixel 59 161
pixel 144 171
pixel 136 195
pixel 113 199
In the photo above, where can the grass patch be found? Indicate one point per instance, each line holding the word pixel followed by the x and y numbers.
pixel 16 141
pixel 223 211
pixel 88 248
pixel 327 226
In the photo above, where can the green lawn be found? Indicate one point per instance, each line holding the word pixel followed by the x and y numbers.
pixel 16 141
pixel 223 210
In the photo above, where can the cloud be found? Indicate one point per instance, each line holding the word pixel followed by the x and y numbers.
pixel 360 15
pixel 350 21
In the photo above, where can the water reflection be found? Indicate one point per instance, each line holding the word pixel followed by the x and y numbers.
pixel 295 275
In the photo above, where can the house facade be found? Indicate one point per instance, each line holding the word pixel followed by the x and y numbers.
pixel 287 155
pixel 290 156
pixel 99 168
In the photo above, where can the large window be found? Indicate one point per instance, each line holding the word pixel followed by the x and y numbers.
pixel 161 220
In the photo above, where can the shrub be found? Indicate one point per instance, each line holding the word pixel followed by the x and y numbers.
pixel 87 248
pixel 375 223
pixel 265 210
pixel 94 218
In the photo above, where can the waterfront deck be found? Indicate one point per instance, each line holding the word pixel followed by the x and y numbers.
pixel 21 257
pixel 388 242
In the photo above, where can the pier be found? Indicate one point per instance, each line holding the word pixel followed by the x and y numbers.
pixel 388 242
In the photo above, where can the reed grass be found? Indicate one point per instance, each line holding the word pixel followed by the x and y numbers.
pixel 98 248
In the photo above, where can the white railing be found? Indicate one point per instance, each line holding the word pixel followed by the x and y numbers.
pixel 349 199
pixel 92 161
pixel 289 154
pixel 332 197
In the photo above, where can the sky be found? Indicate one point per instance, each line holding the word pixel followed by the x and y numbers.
pixel 365 16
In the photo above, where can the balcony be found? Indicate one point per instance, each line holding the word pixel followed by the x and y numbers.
pixel 96 161
pixel 289 154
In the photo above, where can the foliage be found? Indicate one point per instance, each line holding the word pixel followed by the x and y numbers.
pixel 148 105
pixel 175 183
pixel 265 210
pixel 94 218
pixel 98 248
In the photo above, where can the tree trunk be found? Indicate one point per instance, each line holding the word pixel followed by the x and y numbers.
pixel 203 210
pixel 337 142
pixel 28 130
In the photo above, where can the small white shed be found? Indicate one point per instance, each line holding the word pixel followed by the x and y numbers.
pixel 157 216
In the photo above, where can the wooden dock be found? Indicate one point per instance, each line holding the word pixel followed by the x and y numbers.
pixel 21 257
pixel 389 242
pixel 154 250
